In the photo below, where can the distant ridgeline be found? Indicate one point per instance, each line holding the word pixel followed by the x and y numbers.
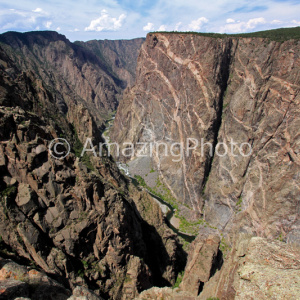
pixel 278 35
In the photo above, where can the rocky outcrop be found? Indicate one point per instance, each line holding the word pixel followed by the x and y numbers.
pixel 166 293
pixel 82 293
pixel 20 281
pixel 202 262
pixel 257 268
pixel 75 218
pixel 246 90
pixel 23 281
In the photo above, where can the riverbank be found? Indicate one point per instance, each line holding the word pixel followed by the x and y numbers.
pixel 143 167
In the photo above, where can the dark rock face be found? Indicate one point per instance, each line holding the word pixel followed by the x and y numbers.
pixel 79 220
pixel 177 95
pixel 10 289
pixel 261 107
pixel 120 56
pixel 75 75
pixel 240 89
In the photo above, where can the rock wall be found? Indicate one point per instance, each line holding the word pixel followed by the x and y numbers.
pixel 74 74
pixel 240 89
pixel 120 56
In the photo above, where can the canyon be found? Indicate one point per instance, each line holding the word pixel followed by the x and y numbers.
pixel 80 227
pixel 246 90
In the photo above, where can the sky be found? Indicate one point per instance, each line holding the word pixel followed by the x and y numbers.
pixel 125 19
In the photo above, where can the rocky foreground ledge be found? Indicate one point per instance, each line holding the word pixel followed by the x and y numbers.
pixel 256 268
pixel 21 282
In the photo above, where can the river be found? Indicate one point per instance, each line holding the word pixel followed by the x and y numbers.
pixel 170 215
pixel 166 208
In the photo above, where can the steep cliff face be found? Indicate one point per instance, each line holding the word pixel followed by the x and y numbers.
pixel 73 73
pixel 78 219
pixel 120 56
pixel 261 107
pixel 177 95
pixel 240 89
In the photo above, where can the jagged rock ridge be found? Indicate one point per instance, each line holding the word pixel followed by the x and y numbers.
pixel 77 219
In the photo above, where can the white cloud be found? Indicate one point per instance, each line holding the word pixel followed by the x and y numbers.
pixel 162 28
pixel 74 30
pixel 48 24
pixel 149 27
pixel 230 20
pixel 252 23
pixel 177 26
pixel 38 10
pixel 32 19
pixel 242 26
pixel 197 24
pixel 19 12
pixel 276 22
pixel 106 23
pixel 296 22
pixel 58 29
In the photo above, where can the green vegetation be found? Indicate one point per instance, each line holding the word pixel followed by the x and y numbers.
pixel 239 203
pixel 77 148
pixel 152 171
pixel 212 298
pixel 87 161
pixel 80 273
pixel 162 192
pixel 224 247
pixel 280 237
pixel 225 105
pixel 83 216
pixel 85 264
pixel 166 196
pixel 8 191
pixel 77 145
pixel 141 181
pixel 178 280
pixel 279 35
pixel 189 227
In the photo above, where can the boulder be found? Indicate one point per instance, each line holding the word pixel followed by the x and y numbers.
pixel 11 288
pixel 26 199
